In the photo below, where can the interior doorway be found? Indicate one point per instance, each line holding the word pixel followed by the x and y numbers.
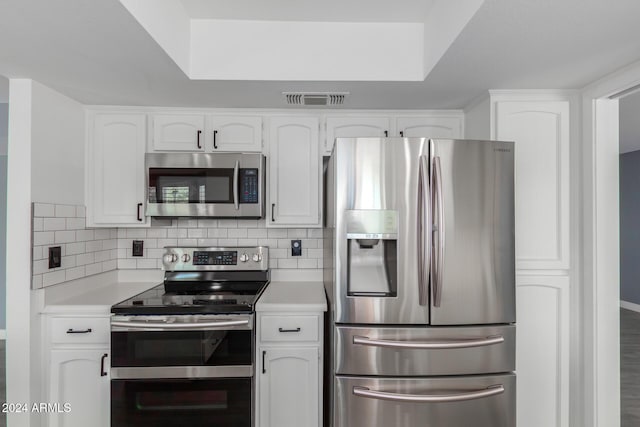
pixel 629 137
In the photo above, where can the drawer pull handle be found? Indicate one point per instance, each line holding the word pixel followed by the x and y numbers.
pixel 427 398
pixel 84 331
pixel 289 330
pixel 264 368
pixel 430 345
pixel 102 371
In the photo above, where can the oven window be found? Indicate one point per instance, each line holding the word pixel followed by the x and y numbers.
pixel 193 403
pixel 190 185
pixel 181 348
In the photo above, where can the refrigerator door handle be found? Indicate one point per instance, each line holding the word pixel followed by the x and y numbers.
pixel 430 345
pixel 429 398
pixel 424 231
pixel 437 261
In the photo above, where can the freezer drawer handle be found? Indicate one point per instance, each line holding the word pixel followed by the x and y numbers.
pixel 426 398
pixel 430 345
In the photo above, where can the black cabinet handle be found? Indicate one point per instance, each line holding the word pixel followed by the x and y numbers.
pixel 140 212
pixel 264 369
pixel 215 135
pixel 73 331
pixel 386 133
pixel 289 330
pixel 402 134
pixel 273 215
pixel 102 372
pixel 199 145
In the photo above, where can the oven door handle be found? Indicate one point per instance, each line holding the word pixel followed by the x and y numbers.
pixel 164 325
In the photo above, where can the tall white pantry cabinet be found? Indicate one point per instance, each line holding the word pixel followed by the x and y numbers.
pixel 543 125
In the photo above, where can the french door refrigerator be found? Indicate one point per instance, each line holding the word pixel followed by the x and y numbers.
pixel 419 269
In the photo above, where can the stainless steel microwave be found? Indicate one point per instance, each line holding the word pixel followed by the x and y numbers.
pixel 222 185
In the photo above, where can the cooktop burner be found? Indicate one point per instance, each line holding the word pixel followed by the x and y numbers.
pixel 192 286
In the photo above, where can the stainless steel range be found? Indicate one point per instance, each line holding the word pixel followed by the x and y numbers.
pixel 182 352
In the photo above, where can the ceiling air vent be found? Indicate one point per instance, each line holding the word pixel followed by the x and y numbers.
pixel 315 98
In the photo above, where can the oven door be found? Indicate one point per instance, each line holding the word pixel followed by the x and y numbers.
pixel 213 185
pixel 182 402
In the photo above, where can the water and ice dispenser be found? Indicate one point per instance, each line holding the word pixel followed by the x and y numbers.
pixel 372 253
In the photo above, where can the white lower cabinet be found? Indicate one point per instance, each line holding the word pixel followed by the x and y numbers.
pixel 289 387
pixel 289 370
pixel 79 387
pixel 76 363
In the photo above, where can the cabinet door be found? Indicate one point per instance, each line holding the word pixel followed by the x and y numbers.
pixel 236 133
pixel 541 131
pixel 76 379
pixel 178 132
pixel 353 127
pixel 289 387
pixel 430 127
pixel 115 170
pixel 294 165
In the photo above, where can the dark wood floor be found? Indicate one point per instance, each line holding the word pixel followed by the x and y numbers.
pixel 630 367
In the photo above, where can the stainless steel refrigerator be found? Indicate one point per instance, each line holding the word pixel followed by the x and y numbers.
pixel 419 269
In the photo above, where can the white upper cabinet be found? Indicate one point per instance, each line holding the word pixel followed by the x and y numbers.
pixel 430 127
pixel 294 172
pixel 178 132
pixel 115 170
pixel 353 127
pixel 236 133
pixel 541 131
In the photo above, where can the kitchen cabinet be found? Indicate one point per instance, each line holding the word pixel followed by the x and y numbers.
pixel 289 375
pixel 77 367
pixel 236 133
pixel 428 125
pixel 293 164
pixel 352 127
pixel 115 191
pixel 178 132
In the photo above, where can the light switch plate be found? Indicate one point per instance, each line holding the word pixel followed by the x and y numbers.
pixel 296 248
pixel 55 256
pixel 138 248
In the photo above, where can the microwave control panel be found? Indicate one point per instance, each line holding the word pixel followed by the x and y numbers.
pixel 248 185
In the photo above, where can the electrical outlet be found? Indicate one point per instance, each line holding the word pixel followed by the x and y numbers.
pixel 138 248
pixel 296 247
pixel 55 257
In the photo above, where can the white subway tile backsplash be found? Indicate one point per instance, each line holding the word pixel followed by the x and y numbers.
pixel 314 233
pixel 258 233
pixel 44 210
pixel 247 242
pixel 248 223
pixel 75 273
pixel 237 233
pixel 93 268
pixel 110 244
pixel 227 223
pixel 54 224
pixel 84 235
pixel 179 233
pixel 65 236
pixel 75 223
pixel 167 242
pixel 207 223
pixel 270 243
pixel 40 266
pixel 277 253
pixel 217 233
pixel 102 234
pixel 80 212
pixel 93 246
pixel 112 264
pixel 228 242
pixel 195 233
pixel 43 238
pixel 68 261
pixel 146 263
pixel 187 223
pixel 37 253
pixel 157 233
pixel 307 263
pixel 102 256
pixel 207 242
pixel 65 211
pixel 38 224
pixel 287 263
pixel 86 258
pixel 315 253
pixel 75 248
pixel 297 232
pixel 276 233
pixel 136 233
pixel 126 263
pixel 36 282
pixel 53 278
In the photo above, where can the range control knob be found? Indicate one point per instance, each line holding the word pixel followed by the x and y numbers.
pixel 169 258
pixel 244 257
pixel 185 258
pixel 257 257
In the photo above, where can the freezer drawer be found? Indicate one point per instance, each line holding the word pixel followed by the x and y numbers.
pixel 411 351
pixel 480 401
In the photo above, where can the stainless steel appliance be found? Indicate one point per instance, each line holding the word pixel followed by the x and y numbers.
pixel 205 184
pixel 182 353
pixel 420 273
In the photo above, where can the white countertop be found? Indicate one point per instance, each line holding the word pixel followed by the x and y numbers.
pixel 293 297
pixel 96 294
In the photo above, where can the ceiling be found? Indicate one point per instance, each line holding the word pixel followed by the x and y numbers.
pixel 97 53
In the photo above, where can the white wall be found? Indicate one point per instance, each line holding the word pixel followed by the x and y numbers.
pixel 477 120
pixel 57 152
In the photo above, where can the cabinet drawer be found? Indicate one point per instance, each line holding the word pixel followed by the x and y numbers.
pixel 289 328
pixel 80 330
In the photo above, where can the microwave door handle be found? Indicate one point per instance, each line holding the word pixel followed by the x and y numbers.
pixel 236 170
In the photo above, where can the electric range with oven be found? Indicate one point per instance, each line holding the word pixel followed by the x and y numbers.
pixel 182 353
